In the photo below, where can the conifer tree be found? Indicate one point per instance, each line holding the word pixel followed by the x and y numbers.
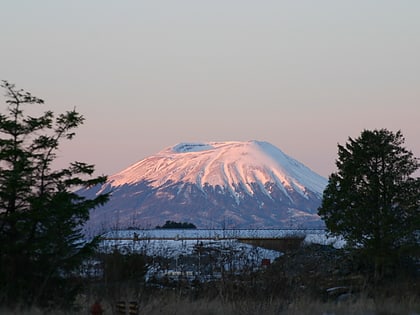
pixel 373 201
pixel 41 216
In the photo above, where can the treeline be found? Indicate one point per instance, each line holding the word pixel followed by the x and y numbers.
pixel 176 225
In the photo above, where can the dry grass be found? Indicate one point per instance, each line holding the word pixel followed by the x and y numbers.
pixel 360 306
pixel 173 305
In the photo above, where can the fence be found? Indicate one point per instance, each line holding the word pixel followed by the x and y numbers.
pixel 127 308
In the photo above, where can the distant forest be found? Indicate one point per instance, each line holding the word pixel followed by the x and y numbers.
pixel 176 225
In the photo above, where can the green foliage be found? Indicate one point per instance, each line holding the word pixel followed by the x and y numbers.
pixel 176 225
pixel 41 216
pixel 372 200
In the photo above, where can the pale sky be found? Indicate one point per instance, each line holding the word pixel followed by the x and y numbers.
pixel 302 75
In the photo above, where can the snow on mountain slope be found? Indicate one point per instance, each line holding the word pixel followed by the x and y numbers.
pixel 231 184
pixel 227 164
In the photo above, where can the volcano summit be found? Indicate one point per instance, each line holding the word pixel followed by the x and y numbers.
pixel 213 185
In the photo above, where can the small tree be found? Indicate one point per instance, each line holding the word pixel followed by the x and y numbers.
pixel 41 216
pixel 372 200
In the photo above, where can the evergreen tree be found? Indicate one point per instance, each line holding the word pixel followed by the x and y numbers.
pixel 41 216
pixel 372 201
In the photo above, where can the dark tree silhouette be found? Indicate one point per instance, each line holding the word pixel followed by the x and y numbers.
pixel 373 200
pixel 176 225
pixel 41 216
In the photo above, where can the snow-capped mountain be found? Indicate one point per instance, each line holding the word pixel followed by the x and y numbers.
pixel 217 184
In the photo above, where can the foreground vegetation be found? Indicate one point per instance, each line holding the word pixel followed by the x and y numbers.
pixel 169 305
pixel 313 279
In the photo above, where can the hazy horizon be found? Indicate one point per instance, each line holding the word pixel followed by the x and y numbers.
pixel 147 75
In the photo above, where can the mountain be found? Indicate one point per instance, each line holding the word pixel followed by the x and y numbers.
pixel 213 185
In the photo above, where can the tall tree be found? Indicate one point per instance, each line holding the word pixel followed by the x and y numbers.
pixel 41 216
pixel 373 201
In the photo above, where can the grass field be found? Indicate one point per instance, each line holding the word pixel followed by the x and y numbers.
pixel 172 304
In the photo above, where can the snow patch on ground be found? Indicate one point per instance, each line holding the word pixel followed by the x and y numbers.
pixel 170 243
